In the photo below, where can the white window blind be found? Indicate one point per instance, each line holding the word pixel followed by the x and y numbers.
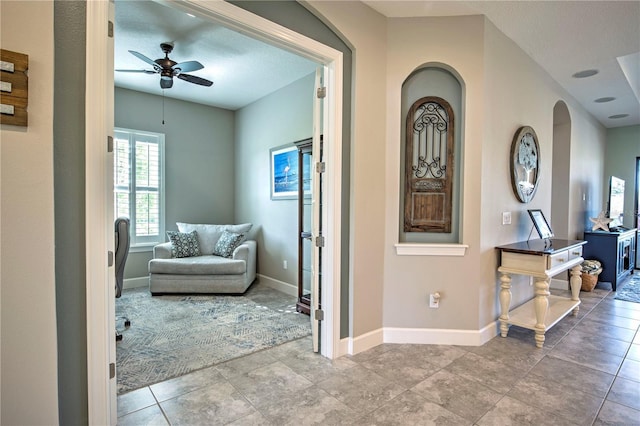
pixel 139 184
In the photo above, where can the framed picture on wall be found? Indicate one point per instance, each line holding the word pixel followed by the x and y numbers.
pixel 285 173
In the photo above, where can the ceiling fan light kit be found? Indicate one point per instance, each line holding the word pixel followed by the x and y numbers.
pixel 168 68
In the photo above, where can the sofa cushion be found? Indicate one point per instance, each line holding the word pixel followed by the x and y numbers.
pixel 227 243
pixel 199 265
pixel 184 244
pixel 208 234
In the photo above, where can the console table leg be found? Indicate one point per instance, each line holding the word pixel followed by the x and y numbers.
pixel 505 303
pixel 541 305
pixel 576 285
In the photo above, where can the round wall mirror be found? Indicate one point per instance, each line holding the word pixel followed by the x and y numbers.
pixel 525 163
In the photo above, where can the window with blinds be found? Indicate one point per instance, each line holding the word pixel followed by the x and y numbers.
pixel 139 184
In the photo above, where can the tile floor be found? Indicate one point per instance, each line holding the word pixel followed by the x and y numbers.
pixel 587 374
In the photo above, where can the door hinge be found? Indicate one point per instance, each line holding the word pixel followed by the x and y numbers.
pixel 109 143
pixel 319 241
pixel 110 29
pixel 321 92
pixel 318 314
pixel 320 167
pixel 112 370
pixel 110 258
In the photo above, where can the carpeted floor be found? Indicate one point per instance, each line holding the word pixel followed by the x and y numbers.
pixel 175 334
pixel 630 289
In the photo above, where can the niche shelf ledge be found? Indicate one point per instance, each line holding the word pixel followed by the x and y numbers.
pixel 417 249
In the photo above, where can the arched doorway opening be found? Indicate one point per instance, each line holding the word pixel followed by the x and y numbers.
pixel 560 194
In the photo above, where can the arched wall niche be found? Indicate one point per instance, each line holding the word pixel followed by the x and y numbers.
pixel 560 173
pixel 434 80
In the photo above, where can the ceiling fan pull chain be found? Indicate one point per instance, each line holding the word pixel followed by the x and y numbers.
pixel 163 107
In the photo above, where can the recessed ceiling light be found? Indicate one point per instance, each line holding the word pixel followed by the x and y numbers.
pixel 605 99
pixel 618 116
pixel 585 73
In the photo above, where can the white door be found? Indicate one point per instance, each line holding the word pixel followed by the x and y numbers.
pixel 636 211
pixel 316 207
pixel 113 385
pixel 100 275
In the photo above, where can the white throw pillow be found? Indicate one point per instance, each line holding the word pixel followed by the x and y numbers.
pixel 209 234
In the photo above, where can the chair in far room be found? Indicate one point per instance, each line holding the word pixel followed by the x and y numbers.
pixel 122 225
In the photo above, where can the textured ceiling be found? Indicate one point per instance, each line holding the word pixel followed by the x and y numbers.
pixel 243 69
pixel 563 37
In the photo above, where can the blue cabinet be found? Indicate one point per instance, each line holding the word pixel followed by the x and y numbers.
pixel 615 250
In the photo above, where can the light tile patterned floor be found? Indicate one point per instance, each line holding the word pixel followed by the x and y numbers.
pixel 587 374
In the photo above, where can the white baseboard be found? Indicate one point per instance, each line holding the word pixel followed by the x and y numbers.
pixel 365 341
pixel 441 336
pixel 282 286
pixel 136 282
pixel 421 336
pixel 343 347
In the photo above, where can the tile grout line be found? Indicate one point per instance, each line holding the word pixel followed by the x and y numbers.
pixel 604 400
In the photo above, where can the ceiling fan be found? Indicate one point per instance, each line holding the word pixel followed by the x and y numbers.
pixel 169 69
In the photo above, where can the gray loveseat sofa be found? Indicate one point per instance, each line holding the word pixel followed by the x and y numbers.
pixel 180 267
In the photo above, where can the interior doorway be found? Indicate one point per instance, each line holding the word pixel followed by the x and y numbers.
pixel 99 122
pixel 560 187
pixel 155 20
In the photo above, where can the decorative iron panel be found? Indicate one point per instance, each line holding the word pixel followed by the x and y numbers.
pixel 429 166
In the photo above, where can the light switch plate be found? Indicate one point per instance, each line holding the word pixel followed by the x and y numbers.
pixel 506 218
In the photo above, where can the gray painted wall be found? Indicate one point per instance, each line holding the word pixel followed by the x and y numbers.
pixel 623 147
pixel 69 197
pixel 275 120
pixel 199 160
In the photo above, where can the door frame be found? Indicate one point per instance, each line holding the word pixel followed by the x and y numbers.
pixel 636 208
pixel 99 231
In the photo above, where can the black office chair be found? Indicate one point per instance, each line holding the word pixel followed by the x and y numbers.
pixel 122 251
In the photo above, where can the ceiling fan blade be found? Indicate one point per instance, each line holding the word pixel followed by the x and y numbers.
pixel 166 83
pixel 195 80
pixel 144 71
pixel 188 66
pixel 144 58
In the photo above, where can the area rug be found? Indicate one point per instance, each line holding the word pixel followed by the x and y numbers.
pixel 176 334
pixel 630 290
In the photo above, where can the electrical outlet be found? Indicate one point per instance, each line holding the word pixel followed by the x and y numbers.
pixel 284 264
pixel 434 300
pixel 506 218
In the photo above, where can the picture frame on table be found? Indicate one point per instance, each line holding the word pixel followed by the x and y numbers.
pixel 541 224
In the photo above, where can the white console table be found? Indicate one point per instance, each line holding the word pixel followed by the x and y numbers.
pixel 540 259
